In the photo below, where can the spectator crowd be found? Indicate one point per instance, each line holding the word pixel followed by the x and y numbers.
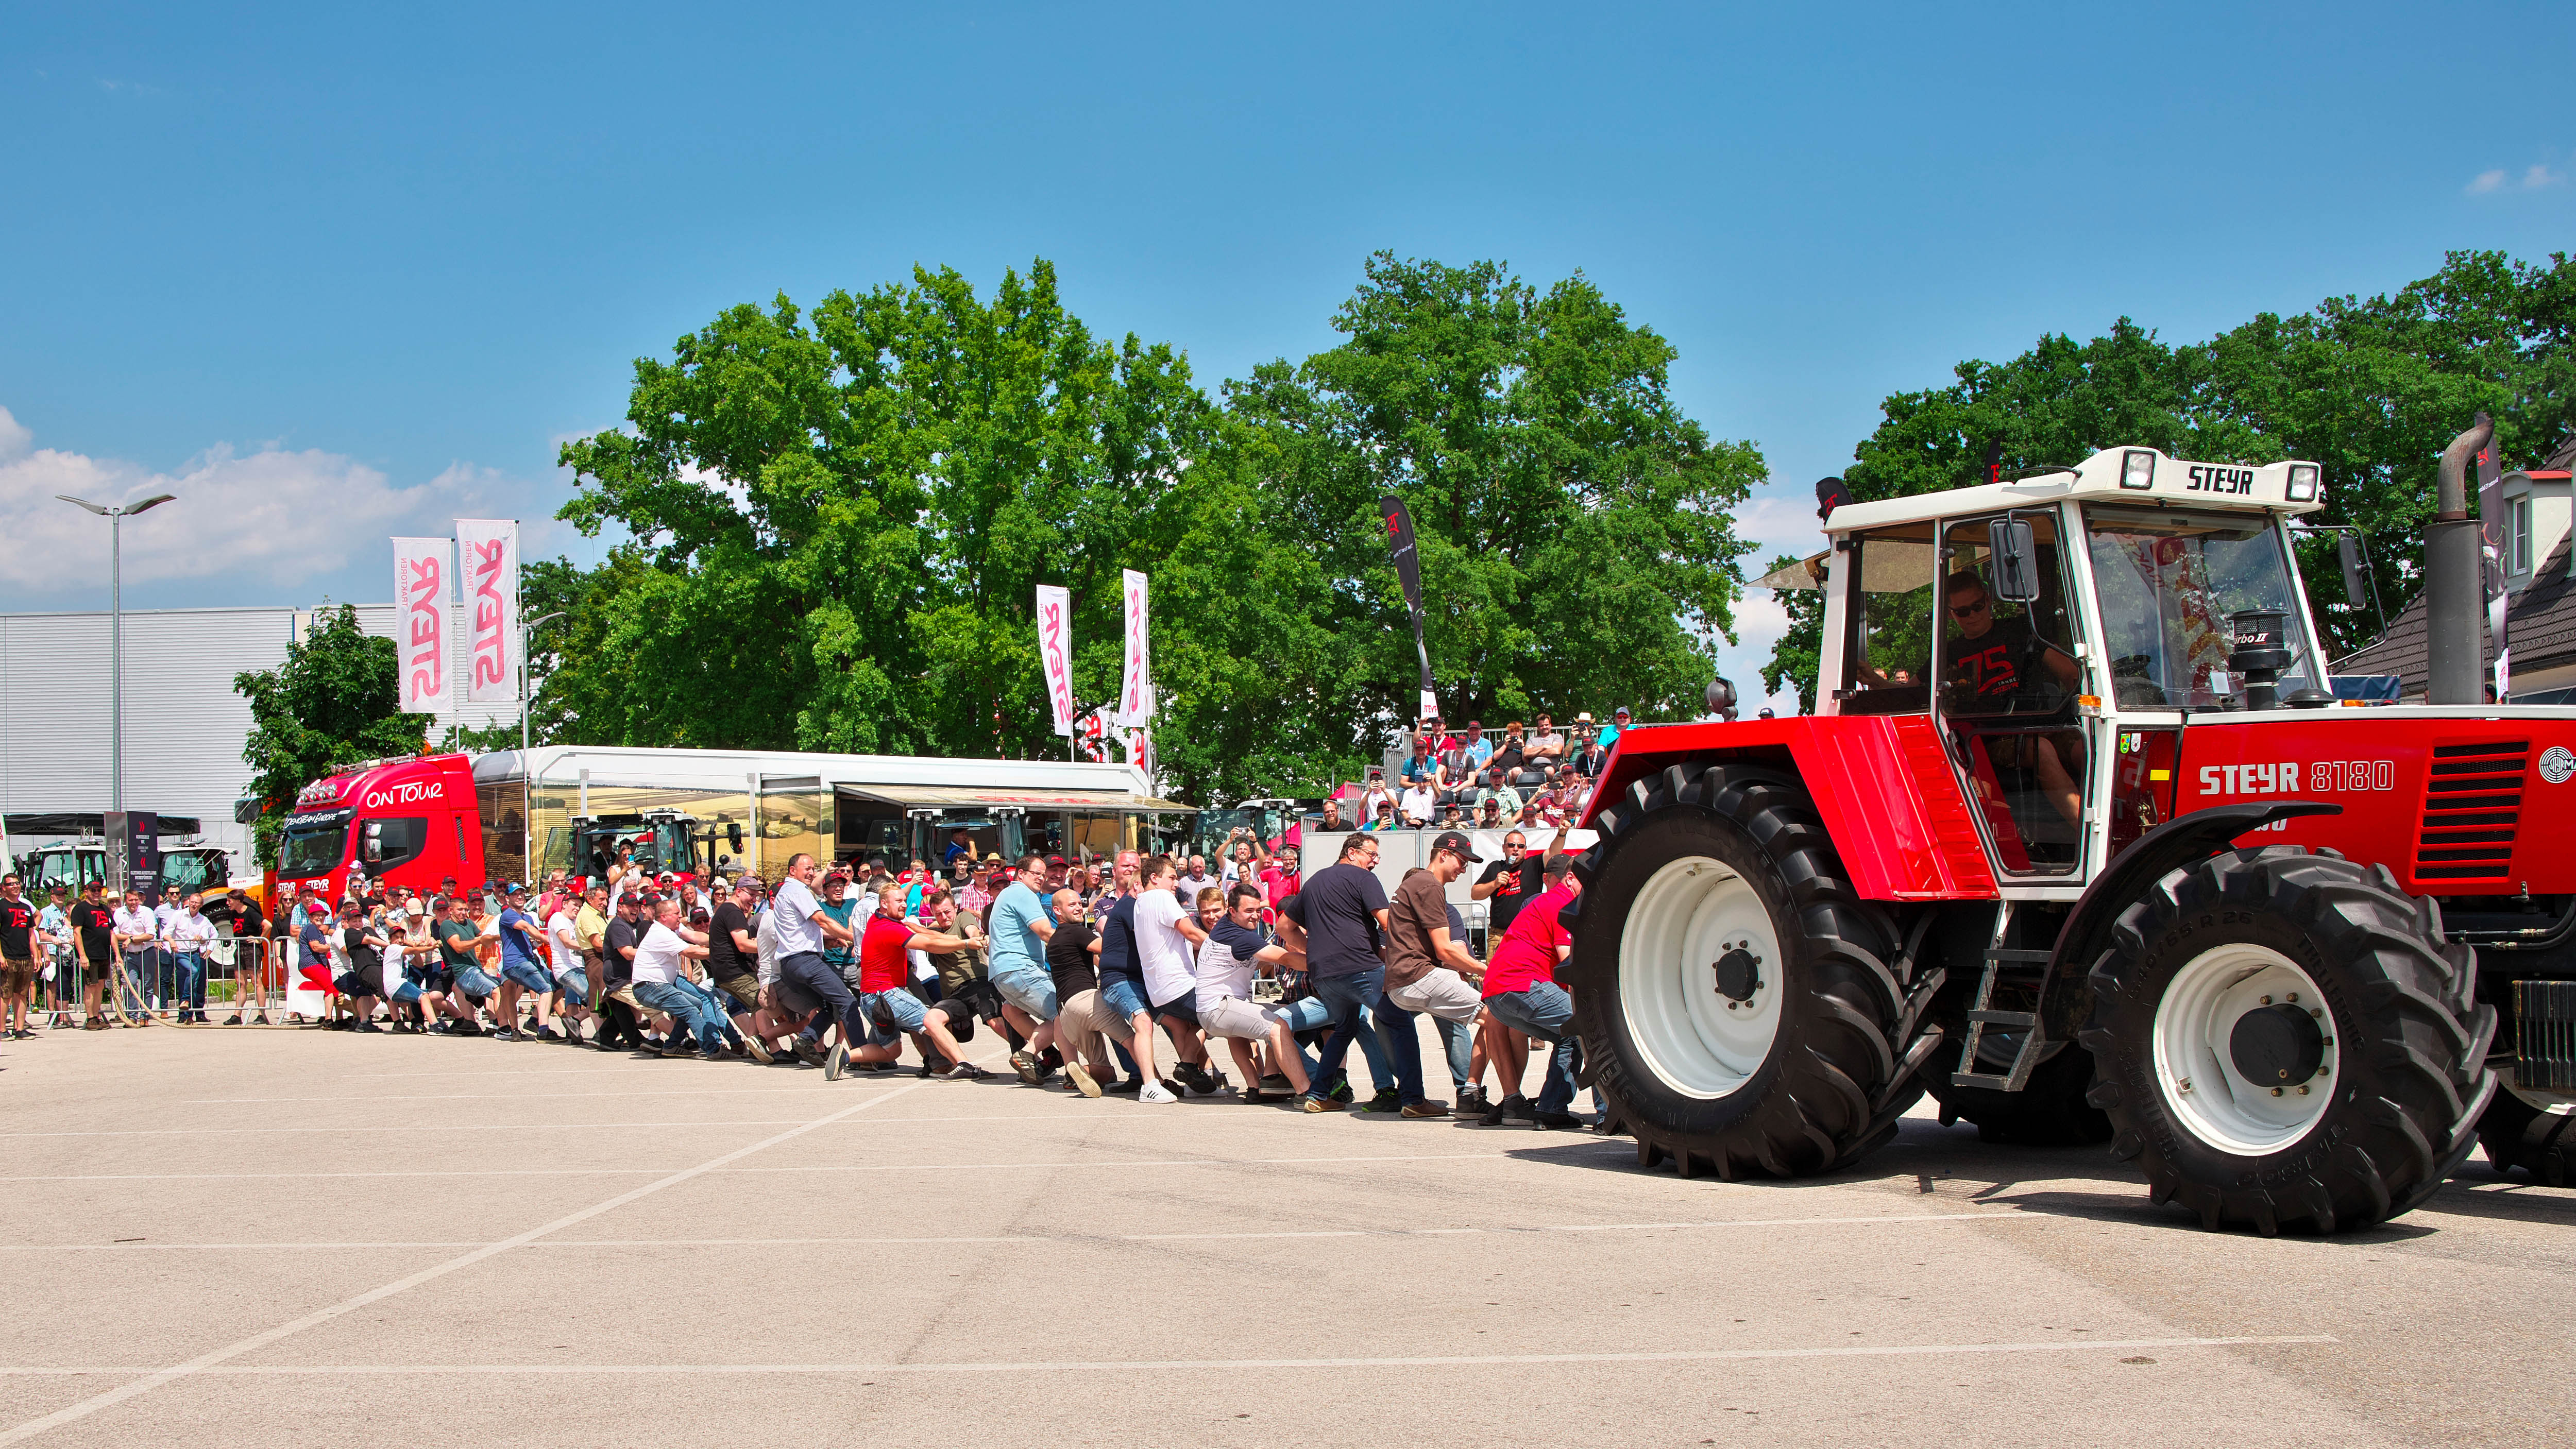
pixel 1116 976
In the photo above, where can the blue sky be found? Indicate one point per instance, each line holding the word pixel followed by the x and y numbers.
pixel 332 275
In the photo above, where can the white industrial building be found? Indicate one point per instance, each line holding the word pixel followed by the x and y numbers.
pixel 184 725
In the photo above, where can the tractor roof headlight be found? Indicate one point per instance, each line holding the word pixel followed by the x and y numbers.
pixel 2138 468
pixel 2302 487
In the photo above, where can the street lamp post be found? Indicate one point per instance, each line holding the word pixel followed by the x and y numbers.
pixel 116 514
pixel 525 695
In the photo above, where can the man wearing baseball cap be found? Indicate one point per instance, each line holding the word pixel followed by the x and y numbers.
pixel 1429 970
pixel 523 970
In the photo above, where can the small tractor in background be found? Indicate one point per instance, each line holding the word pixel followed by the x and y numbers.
pixel 2081 842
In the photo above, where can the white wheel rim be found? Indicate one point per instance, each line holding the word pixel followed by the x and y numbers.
pixel 2194 1022
pixel 1690 914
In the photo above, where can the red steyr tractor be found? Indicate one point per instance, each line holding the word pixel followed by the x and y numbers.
pixel 2078 842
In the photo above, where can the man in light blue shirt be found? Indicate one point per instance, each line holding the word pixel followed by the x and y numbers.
pixel 1018 926
pixel 1479 749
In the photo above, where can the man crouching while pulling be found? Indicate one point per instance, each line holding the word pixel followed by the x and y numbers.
pixel 889 1010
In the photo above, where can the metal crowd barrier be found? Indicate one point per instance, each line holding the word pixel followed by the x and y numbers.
pixel 159 984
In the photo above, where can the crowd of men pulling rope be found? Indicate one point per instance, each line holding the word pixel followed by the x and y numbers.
pixel 1116 981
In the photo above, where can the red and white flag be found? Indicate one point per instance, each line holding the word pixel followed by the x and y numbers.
pixel 1136 694
pixel 490 550
pixel 1055 652
pixel 421 590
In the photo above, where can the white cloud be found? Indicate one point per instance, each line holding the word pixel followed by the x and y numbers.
pixel 2539 176
pixel 2534 178
pixel 281 516
pixel 2486 181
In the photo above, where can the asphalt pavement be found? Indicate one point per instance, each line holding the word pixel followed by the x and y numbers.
pixel 287 1237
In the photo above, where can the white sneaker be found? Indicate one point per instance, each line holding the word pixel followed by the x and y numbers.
pixel 1154 1092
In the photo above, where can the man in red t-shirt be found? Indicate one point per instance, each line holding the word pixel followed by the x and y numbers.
pixel 884 1001
pixel 1521 992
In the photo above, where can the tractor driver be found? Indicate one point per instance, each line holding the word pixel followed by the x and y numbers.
pixel 1986 660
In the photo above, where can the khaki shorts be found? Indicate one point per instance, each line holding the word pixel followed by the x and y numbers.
pixel 1235 1017
pixel 1085 1015
pixel 17 975
pixel 625 996
pixel 744 988
pixel 1442 993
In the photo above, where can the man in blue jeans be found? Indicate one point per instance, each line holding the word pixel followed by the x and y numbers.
pixel 798 928
pixel 1019 927
pixel 1345 928
pixel 1521 992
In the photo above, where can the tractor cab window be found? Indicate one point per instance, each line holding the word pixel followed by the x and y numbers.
pixel 1887 657
pixel 2009 679
pixel 2169 580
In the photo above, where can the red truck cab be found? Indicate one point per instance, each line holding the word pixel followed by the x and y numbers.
pixel 408 822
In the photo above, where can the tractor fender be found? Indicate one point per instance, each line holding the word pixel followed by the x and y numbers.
pixel 2182 841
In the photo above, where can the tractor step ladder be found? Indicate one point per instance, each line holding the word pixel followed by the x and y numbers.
pixel 1982 1013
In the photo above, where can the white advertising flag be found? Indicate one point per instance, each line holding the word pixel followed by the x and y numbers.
pixel 421 589
pixel 1136 695
pixel 1055 652
pixel 490 550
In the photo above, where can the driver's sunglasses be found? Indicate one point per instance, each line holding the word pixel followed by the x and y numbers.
pixel 1968 611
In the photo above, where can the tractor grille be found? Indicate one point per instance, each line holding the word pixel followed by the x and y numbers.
pixel 2472 807
pixel 2545 1034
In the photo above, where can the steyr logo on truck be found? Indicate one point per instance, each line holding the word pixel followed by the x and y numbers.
pixel 410 794
pixel 2207 479
pixel 2324 777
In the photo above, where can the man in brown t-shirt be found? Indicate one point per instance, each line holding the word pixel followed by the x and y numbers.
pixel 1428 969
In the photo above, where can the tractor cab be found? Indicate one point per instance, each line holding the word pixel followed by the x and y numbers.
pixel 2032 620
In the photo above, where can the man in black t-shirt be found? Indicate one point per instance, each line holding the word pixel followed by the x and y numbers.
pixel 1511 881
pixel 93 932
pixel 618 1026
pixel 1986 662
pixel 1072 956
pixel 235 909
pixel 17 959
pixel 1345 927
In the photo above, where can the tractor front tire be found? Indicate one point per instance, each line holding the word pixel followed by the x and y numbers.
pixel 2281 1039
pixel 1733 995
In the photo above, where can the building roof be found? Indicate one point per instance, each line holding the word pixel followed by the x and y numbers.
pixel 2540 623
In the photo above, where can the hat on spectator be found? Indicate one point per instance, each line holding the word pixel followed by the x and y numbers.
pixel 1620 713
pixel 513 888
pixel 1584 718
pixel 416 908
pixel 1456 841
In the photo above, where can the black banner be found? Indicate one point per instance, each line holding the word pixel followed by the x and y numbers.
pixel 143 855
pixel 1408 569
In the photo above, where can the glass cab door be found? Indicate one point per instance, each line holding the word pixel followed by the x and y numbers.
pixel 2009 676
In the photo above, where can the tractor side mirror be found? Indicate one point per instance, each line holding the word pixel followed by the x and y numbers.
pixel 2348 548
pixel 2010 541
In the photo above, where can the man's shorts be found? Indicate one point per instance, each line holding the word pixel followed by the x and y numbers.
pixel 1440 992
pixel 351 983
pixel 573 985
pixel 527 976
pixel 1085 1015
pixel 624 996
pixel 1029 989
pixel 1184 1007
pixel 892 1015
pixel 472 984
pixel 1123 996
pixel 17 975
pixel 1235 1017
pixel 744 988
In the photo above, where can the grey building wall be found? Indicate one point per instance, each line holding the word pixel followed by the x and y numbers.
pixel 184 725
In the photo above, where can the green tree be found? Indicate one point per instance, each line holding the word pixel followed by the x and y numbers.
pixel 1573 523
pixel 334 702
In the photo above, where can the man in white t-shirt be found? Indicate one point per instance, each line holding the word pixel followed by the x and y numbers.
pixel 572 988
pixel 660 960
pixel 1167 938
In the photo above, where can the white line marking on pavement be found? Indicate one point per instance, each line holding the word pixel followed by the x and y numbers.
pixel 408 1127
pixel 801 1167
pixel 1898 1350
pixel 204 1361
pixel 665 1244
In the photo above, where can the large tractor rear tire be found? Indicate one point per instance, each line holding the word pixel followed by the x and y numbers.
pixel 1734 997
pixel 2282 1039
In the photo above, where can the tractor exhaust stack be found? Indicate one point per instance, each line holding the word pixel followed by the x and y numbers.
pixel 2453 578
